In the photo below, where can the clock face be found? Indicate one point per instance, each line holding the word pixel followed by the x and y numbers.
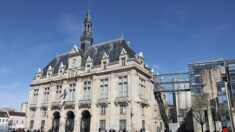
pixel 74 61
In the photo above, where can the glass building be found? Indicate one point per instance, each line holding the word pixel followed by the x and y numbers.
pixel 231 74
pixel 222 110
pixel 195 77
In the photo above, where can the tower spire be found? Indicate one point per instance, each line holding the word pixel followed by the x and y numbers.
pixel 88 16
pixel 86 38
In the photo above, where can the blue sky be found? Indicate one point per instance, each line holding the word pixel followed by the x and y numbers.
pixel 171 33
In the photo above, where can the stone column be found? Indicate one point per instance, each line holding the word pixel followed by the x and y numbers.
pixel 134 107
pixel 62 120
pixel 77 119
pixel 112 96
pixel 94 122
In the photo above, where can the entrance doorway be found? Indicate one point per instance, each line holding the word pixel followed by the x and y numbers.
pixel 56 122
pixel 69 122
pixel 85 121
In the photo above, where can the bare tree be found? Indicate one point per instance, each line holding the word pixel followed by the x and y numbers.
pixel 200 106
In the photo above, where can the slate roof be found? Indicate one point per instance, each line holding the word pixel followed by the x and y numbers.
pixel 111 48
pixel 3 114
pixel 55 63
pixel 16 113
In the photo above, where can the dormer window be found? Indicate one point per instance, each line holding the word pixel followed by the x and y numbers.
pixel 88 67
pixel 105 65
pixel 61 71
pixel 123 61
pixel 48 74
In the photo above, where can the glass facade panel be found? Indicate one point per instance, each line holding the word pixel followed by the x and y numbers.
pixel 223 109
pixel 195 70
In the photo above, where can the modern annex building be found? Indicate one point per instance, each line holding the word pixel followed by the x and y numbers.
pixel 97 87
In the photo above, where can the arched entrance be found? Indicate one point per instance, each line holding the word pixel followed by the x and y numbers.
pixel 56 121
pixel 69 122
pixel 85 121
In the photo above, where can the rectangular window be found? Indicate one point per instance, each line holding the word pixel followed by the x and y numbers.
pixel 206 115
pixel 44 113
pixel 158 129
pixel 46 95
pixel 123 86
pixel 35 96
pixel 58 93
pixel 122 124
pixel 88 68
pixel 42 123
pixel 122 108
pixel 102 110
pixel 102 124
pixel 31 124
pixel 72 92
pixel 160 125
pixel 141 87
pixel 104 88
pixel 87 90
pixel 123 61
pixel 32 113
pixel 143 124
pixel 105 65
pixel 142 110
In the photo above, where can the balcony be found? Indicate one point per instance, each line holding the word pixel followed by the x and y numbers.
pixel 33 106
pixel 69 104
pixel 119 100
pixel 102 101
pixel 84 103
pixel 143 101
pixel 56 104
pixel 44 105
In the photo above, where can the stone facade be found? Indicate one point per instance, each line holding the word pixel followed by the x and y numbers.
pixel 98 87
pixel 16 120
pixel 3 121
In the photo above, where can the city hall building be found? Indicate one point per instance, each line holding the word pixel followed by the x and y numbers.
pixel 94 88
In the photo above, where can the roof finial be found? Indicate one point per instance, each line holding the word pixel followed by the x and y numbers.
pixel 122 37
pixel 39 70
pixel 88 16
pixel 74 49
